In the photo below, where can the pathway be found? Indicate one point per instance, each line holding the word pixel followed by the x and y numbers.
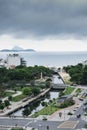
pixel 14 95
pixel 55 116
pixel 16 105
pixel 68 124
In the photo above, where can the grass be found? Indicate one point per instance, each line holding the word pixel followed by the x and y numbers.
pixel 48 110
pixel 7 94
pixel 68 90
pixel 79 90
pixel 18 98
pixel 51 108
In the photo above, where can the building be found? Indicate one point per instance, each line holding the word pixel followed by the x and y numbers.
pixel 14 60
pixel 64 99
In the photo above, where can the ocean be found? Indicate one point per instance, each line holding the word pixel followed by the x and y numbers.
pixel 50 59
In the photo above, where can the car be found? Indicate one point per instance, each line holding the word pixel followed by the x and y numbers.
pixel 79 115
pixel 81 99
pixel 85 103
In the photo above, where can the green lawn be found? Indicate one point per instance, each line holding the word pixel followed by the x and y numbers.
pixel 48 110
pixel 7 94
pixel 19 97
pixel 79 90
pixel 51 108
pixel 68 90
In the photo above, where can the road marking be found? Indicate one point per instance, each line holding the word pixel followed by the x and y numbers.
pixel 68 124
pixel 28 124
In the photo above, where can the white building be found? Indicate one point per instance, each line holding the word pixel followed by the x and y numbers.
pixel 13 60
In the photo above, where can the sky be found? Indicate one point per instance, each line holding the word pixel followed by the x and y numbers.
pixel 48 25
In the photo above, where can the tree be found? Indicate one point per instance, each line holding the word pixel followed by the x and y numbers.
pixel 26 91
pixel 35 91
pixel 7 103
pixel 32 82
pixel 48 84
pixel 10 98
pixel 61 93
pixel 0 101
pixel 44 103
pixel 1 91
pixel 26 111
pixel 1 106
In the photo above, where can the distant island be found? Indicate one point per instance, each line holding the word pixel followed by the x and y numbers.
pixel 17 49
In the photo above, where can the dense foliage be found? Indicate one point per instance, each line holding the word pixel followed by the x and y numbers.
pixel 4 104
pixel 66 104
pixel 23 73
pixel 78 73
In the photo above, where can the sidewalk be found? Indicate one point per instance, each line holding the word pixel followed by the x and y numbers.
pixel 55 116
pixel 16 105
pixel 65 111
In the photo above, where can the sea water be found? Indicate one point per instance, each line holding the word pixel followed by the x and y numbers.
pixel 50 59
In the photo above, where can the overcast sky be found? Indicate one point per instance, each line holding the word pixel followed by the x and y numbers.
pixel 44 25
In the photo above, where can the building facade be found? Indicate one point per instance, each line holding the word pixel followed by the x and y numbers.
pixel 13 60
pixel 64 99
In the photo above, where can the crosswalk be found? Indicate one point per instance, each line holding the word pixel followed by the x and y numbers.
pixel 68 124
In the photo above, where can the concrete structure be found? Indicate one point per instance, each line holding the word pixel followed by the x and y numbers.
pixel 57 82
pixel 12 61
pixel 64 99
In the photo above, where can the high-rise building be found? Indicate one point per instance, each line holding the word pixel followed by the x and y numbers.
pixel 14 60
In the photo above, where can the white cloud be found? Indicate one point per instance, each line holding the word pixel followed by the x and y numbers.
pixel 8 42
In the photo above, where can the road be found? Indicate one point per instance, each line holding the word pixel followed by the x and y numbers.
pixel 42 125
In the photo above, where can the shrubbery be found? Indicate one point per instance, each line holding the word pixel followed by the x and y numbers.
pixel 78 73
pixel 66 104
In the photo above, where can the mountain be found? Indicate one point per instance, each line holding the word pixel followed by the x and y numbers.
pixel 18 49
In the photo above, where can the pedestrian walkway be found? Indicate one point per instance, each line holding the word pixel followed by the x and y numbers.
pixel 65 113
pixel 14 95
pixel 20 104
pixel 56 116
pixel 68 124
pixel 83 117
